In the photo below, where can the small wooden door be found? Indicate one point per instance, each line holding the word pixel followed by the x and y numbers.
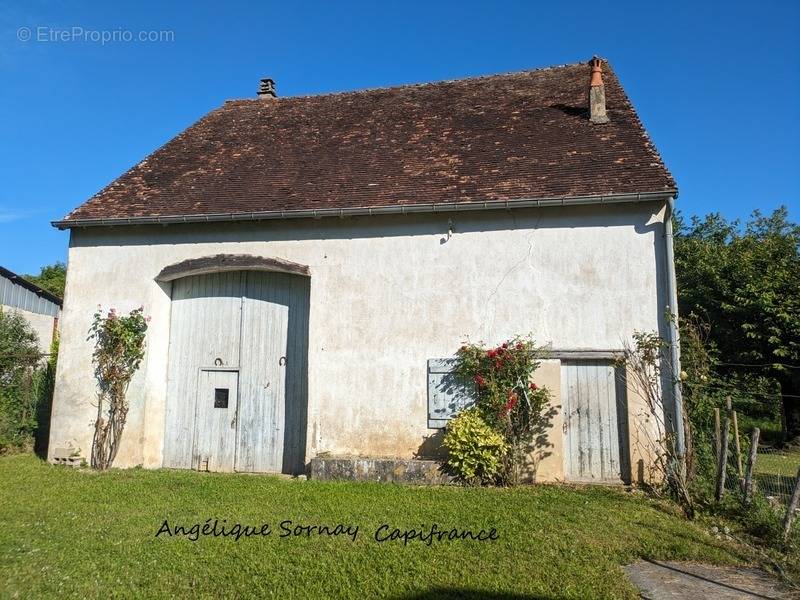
pixel 215 421
pixel 595 422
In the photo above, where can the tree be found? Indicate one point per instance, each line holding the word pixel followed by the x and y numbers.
pixel 51 278
pixel 745 282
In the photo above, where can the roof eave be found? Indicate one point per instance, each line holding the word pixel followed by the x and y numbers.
pixel 370 211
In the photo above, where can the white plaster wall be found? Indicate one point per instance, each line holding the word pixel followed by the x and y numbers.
pixel 41 324
pixel 387 293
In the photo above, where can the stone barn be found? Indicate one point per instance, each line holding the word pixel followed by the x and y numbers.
pixel 311 264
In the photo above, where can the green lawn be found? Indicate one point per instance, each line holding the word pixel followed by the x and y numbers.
pixel 778 462
pixel 776 471
pixel 76 533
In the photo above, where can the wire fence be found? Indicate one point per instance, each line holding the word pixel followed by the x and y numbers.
pixel 775 473
pixel 744 468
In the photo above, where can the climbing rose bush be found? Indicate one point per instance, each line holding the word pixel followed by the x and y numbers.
pixel 118 352
pixel 476 450
pixel 505 398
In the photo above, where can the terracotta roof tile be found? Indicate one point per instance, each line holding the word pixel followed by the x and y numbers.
pixel 504 137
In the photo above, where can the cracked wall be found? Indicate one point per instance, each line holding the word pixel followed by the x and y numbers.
pixel 387 294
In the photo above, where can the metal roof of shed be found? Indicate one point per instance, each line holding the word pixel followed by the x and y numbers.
pixel 18 292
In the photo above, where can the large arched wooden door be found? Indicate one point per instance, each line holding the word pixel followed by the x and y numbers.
pixel 237 374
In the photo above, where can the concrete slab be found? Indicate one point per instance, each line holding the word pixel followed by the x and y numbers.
pixel 667 580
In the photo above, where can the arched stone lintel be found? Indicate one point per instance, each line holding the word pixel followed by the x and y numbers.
pixel 230 262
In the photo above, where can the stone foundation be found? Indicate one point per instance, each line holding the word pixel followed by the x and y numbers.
pixel 384 470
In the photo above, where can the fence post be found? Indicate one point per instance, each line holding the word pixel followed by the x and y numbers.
pixel 738 446
pixel 751 463
pixel 722 459
pixel 716 434
pixel 792 508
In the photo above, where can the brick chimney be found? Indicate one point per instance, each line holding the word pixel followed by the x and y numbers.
pixel 266 89
pixel 597 93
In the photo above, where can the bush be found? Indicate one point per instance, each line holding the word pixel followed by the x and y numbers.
pixel 506 399
pixel 21 377
pixel 476 449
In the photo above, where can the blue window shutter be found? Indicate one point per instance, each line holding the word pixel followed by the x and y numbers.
pixel 448 394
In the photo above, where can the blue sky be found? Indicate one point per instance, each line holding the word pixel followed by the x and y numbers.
pixel 717 86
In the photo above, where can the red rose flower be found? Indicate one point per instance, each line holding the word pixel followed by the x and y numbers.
pixel 512 402
pixel 534 387
pixel 479 381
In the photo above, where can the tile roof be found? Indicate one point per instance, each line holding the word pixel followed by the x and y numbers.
pixel 516 136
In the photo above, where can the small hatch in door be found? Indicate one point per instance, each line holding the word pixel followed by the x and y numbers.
pixel 221 397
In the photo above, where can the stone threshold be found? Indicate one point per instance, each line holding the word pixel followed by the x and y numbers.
pixel 383 470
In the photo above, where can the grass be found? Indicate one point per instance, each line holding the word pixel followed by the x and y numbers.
pixel 778 462
pixel 776 472
pixel 770 428
pixel 77 533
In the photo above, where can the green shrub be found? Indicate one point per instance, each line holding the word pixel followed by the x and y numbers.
pixel 475 449
pixel 20 381
pixel 507 400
